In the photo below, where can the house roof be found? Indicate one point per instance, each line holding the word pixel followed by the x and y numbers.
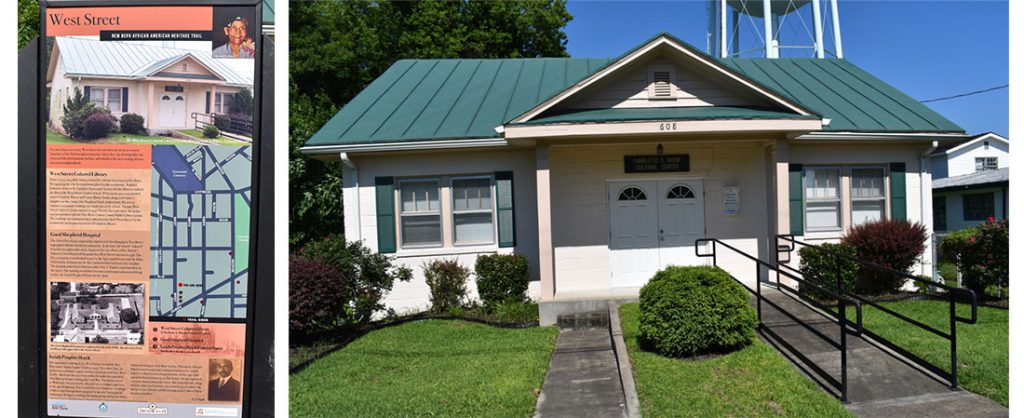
pixel 443 99
pixel 664 113
pixel 980 178
pixel 127 60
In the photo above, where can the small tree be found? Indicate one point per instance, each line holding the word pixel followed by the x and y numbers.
pixel 241 102
pixel 76 109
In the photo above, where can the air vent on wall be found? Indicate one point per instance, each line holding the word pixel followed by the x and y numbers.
pixel 662 84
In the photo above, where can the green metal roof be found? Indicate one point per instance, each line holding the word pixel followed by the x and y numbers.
pixel 435 99
pixel 664 113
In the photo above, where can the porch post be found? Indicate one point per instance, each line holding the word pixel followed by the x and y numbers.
pixel 546 250
pixel 149 107
pixel 781 225
pixel 213 99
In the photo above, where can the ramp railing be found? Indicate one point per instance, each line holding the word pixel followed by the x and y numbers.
pixel 839 318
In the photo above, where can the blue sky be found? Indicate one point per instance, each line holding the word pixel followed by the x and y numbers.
pixel 927 49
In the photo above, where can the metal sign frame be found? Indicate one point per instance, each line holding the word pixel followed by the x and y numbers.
pixel 257 386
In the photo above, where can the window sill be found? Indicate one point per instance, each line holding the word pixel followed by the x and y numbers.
pixel 823 235
pixel 446 251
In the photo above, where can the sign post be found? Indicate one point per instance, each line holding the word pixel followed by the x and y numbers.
pixel 145 211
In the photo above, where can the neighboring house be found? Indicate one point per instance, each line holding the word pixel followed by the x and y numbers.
pixel 603 171
pixel 166 86
pixel 971 182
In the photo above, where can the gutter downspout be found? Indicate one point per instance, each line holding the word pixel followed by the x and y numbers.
pixel 355 176
pixel 927 155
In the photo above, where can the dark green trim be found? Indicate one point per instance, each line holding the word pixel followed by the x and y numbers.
pixel 506 212
pixel 898 189
pixel 385 214
pixel 796 199
pixel 86 90
pixel 124 99
pixel 207 102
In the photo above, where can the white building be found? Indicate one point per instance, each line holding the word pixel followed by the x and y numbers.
pixel 971 182
pixel 603 171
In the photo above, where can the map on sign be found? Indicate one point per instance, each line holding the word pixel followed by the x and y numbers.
pixel 199 239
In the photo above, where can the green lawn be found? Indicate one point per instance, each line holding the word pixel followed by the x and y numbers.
pixel 219 140
pixel 428 368
pixel 53 137
pixel 982 348
pixel 754 381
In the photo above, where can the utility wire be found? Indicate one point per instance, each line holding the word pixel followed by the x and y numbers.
pixel 966 94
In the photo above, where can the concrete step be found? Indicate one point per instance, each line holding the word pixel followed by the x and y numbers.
pixel 583 320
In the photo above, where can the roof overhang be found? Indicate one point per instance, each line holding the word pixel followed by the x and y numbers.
pixel 193 59
pixel 880 136
pixel 990 185
pixel 322 150
pixel 662 41
pixel 515 132
pixel 991 136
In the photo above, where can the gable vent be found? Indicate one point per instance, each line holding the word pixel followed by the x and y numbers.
pixel 662 84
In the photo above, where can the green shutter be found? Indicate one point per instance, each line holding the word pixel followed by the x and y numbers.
pixel 898 189
pixel 506 213
pixel 124 99
pixel 385 214
pixel 796 199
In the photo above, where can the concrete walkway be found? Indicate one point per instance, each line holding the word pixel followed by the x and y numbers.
pixel 583 379
pixel 880 383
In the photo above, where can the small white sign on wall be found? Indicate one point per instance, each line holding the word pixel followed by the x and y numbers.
pixel 731 200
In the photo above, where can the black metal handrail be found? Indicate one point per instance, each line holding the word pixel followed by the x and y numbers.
pixel 840 318
pixel 951 293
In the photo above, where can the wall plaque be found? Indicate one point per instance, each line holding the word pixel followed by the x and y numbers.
pixel 657 163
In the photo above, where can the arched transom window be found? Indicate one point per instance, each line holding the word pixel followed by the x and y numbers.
pixel 680 191
pixel 632 193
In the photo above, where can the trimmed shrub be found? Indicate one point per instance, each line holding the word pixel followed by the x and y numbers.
pixel 686 311
pixel 76 109
pixel 984 257
pixel 502 278
pixel 447 282
pixel 313 305
pixel 893 244
pixel 133 124
pixel 98 125
pixel 369 276
pixel 211 131
pixel 222 122
pixel 827 270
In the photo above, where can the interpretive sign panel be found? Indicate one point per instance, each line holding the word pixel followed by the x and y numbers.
pixel 147 194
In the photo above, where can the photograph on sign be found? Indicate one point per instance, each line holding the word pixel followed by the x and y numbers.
pixel 148 170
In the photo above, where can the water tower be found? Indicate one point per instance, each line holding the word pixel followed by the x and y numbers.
pixel 774 28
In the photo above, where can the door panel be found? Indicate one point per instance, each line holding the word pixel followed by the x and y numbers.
pixel 633 214
pixel 681 221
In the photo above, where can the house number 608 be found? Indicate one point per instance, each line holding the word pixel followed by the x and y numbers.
pixel 668 126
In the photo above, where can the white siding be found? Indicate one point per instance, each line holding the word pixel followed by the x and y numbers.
pixel 962 161
pixel 414 295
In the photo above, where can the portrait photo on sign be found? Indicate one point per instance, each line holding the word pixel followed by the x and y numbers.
pixel 97 313
pixel 224 383
pixel 234 32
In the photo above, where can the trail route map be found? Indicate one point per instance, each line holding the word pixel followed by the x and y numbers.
pixel 199 239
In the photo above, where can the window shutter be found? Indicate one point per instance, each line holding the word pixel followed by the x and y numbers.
pixel 898 189
pixel 796 199
pixel 385 214
pixel 207 102
pixel 506 211
pixel 86 92
pixel 124 99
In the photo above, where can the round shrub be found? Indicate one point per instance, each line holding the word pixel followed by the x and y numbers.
pixel 447 282
pixel 827 270
pixel 133 124
pixel 502 278
pixel 314 305
pixel 223 122
pixel 98 125
pixel 895 244
pixel 687 311
pixel 211 131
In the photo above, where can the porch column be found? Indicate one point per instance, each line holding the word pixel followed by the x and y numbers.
pixel 546 250
pixel 213 99
pixel 781 152
pixel 149 107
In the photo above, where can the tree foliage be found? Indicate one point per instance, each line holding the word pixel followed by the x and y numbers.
pixel 338 47
pixel 28 21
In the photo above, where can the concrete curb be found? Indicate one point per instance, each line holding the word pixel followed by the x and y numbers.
pixel 622 357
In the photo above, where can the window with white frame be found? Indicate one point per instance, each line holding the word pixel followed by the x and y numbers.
pixel 472 210
pixel 986 163
pixel 821 191
pixel 867 194
pixel 420 213
pixel 109 97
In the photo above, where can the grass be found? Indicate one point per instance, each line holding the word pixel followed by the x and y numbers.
pixel 54 137
pixel 982 348
pixel 219 140
pixel 428 368
pixel 754 381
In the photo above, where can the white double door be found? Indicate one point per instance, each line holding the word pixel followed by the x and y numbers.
pixel 172 110
pixel 653 224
